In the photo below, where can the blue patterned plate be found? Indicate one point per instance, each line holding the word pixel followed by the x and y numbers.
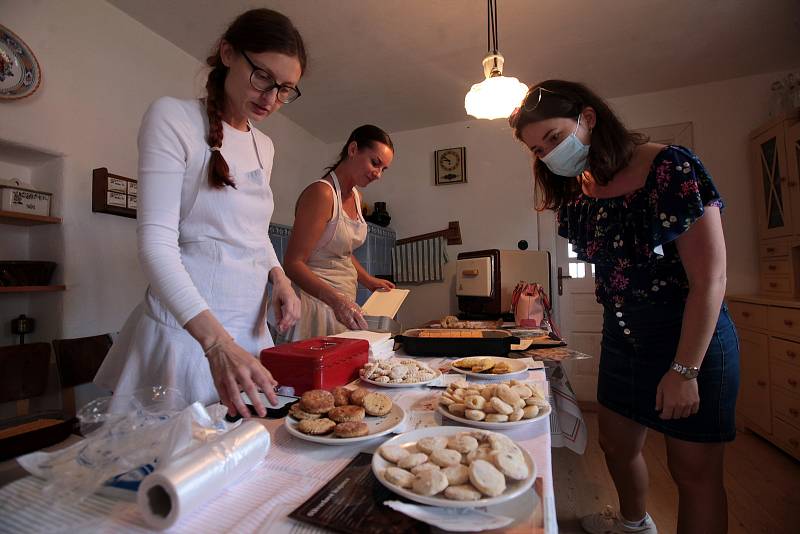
pixel 20 74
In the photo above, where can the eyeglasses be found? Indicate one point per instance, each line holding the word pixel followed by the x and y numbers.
pixel 262 81
pixel 537 94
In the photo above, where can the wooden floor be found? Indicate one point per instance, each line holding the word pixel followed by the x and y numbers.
pixel 763 485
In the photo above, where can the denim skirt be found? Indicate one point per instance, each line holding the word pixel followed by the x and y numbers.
pixel 639 344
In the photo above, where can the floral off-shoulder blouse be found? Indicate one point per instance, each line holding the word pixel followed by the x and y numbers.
pixel 631 238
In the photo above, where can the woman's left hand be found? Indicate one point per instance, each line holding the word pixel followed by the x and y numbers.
pixel 378 284
pixel 677 397
pixel 286 304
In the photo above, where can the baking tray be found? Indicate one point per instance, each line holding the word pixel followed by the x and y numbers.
pixel 456 343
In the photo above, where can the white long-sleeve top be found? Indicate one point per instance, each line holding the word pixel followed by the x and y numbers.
pixel 173 163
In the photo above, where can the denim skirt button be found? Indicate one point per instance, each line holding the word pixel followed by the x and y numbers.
pixel 627 331
pixel 619 314
pixel 622 323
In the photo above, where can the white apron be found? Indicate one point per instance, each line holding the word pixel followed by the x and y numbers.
pixel 332 262
pixel 152 347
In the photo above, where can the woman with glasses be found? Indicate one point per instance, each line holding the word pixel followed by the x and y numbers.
pixel 204 210
pixel 328 227
pixel 647 216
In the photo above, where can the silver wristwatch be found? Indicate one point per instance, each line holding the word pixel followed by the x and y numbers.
pixel 686 372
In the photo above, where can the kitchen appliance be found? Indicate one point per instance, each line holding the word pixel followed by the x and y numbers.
pixel 316 363
pixel 485 279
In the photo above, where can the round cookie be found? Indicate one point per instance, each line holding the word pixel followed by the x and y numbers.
pixel 445 457
pixel 529 412
pixel 486 478
pixel 429 444
pixel 475 415
pixel 429 483
pixel 377 404
pixel 522 390
pixel 511 465
pixel 393 453
pixel 457 408
pixel 516 415
pixel 343 414
pixel 456 474
pixel 398 477
pixel 316 401
pixel 357 396
pixel 351 429
pixel 462 443
pixel 298 413
pixel 506 394
pixel 474 402
pixel 462 492
pixel 501 406
pixel 417 469
pixel 496 418
pixel 341 396
pixel 412 460
pixel 316 427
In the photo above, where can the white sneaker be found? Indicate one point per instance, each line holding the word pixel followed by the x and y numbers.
pixel 608 522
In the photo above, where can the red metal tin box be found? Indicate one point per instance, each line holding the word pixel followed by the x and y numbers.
pixel 316 363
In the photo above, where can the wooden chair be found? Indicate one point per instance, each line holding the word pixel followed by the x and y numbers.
pixel 78 360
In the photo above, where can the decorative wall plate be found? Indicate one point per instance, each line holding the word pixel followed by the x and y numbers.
pixel 20 74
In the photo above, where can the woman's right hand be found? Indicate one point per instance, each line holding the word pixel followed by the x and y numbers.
pixel 234 370
pixel 348 313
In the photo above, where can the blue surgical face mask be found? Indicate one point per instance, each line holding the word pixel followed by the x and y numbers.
pixel 568 158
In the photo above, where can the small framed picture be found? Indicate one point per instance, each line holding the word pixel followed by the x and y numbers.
pixel 451 165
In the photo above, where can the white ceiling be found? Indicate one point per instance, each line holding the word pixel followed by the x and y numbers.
pixel 407 64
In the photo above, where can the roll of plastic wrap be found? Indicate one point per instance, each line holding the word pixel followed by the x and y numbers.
pixel 171 493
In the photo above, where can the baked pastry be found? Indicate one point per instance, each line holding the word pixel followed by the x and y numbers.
pixel 462 492
pixel 351 429
pixel 417 469
pixel 377 404
pixel 463 443
pixel 450 321
pixel 456 474
pixel 393 453
pixel 298 413
pixel 341 396
pixel 501 406
pixel 511 465
pixel 445 457
pixel 343 414
pixel 316 427
pixel 429 483
pixel 413 460
pixel 486 478
pixel 398 477
pixel 357 396
pixel 317 401
pixel 529 412
pixel 496 418
pixel 429 444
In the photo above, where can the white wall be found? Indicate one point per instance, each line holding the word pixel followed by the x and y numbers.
pixel 494 207
pixel 101 69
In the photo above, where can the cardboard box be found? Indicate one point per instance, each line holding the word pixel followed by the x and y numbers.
pixel 22 200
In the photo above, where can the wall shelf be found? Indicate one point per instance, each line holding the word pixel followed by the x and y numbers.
pixel 25 219
pixel 32 289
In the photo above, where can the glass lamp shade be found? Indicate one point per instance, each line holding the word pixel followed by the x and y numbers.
pixel 495 97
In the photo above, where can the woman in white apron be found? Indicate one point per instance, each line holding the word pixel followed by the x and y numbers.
pixel 204 209
pixel 328 227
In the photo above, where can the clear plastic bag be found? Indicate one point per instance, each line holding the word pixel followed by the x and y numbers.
pixel 124 434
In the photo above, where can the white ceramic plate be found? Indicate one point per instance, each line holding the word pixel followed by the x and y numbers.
pixel 378 426
pixel 543 412
pixel 409 440
pixel 517 367
pixel 436 376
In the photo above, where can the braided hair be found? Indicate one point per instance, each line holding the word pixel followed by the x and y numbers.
pixel 257 30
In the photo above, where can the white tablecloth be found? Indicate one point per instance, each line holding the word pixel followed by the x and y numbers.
pixel 261 501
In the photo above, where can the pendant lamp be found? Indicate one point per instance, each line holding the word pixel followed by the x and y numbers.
pixel 497 95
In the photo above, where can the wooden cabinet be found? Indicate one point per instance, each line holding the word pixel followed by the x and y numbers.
pixel 775 149
pixel 769 392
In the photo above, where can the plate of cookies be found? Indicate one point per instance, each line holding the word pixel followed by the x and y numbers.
pixel 494 405
pixel 398 373
pixel 454 466
pixel 343 416
pixel 488 366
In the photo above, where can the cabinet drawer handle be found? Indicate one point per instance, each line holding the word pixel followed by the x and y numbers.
pixel 792 382
pixel 761 383
pixel 470 272
pixel 770 250
pixel 794 412
pixel 788 322
pixel 746 315
pixel 791 354
pixel 772 267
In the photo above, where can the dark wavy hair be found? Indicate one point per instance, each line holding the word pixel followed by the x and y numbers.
pixel 257 30
pixel 365 136
pixel 612 143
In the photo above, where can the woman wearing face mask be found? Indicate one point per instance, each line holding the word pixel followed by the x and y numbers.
pixel 328 227
pixel 204 209
pixel 648 216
